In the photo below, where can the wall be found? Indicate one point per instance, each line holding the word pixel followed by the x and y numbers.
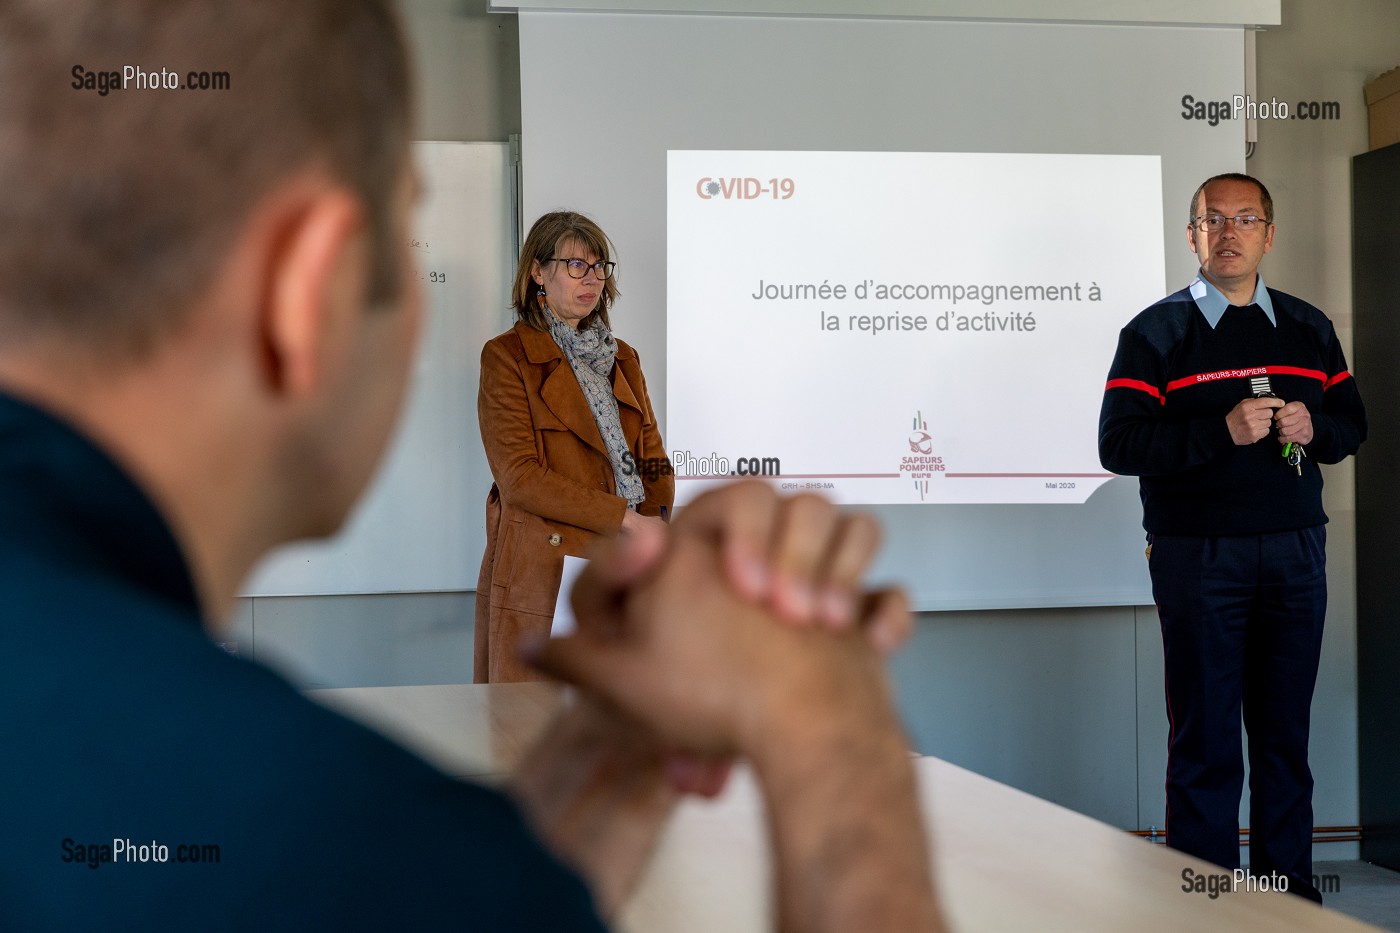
pixel 468 76
pixel 1064 703
pixel 1325 51
pixel 468 69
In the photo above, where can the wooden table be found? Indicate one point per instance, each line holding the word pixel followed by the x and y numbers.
pixel 1004 860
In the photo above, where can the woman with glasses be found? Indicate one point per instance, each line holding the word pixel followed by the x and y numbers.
pixel 569 433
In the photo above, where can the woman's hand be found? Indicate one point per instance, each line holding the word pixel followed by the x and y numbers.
pixel 632 521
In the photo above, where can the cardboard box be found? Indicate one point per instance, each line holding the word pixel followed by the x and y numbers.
pixel 1383 108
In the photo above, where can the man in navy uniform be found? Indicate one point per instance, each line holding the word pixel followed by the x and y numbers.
pixel 1223 398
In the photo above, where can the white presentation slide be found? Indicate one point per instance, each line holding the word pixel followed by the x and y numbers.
pixel 892 327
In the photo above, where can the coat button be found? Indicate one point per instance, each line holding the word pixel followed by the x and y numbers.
pixel 556 539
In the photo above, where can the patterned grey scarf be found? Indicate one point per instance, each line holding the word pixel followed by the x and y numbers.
pixel 591 353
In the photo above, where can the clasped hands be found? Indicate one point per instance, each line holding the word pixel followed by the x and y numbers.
pixel 743 621
pixel 1252 419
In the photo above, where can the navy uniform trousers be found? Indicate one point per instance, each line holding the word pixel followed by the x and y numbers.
pixel 1241 630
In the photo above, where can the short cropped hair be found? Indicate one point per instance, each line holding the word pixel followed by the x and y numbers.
pixel 119 203
pixel 546 237
pixel 1266 200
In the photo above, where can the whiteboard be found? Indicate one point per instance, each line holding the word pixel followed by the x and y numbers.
pixel 421 527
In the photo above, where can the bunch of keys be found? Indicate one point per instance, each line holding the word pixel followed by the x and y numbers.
pixel 1294 454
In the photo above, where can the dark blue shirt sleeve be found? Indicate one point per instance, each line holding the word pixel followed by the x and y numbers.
pixel 1340 427
pixel 1136 435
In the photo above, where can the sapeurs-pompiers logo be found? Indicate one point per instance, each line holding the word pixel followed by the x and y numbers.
pixel 921 463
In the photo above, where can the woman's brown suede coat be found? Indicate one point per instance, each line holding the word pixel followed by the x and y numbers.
pixel 554 492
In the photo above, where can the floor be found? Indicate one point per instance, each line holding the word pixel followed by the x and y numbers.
pixel 1361 890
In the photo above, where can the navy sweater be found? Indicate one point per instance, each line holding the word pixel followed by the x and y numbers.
pixel 122 721
pixel 1173 381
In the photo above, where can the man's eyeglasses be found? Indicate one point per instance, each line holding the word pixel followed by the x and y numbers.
pixel 578 268
pixel 1245 223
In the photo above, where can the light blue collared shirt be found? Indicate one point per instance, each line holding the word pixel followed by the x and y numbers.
pixel 1213 304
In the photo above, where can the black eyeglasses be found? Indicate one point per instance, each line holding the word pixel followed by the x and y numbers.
pixel 578 268
pixel 1245 223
